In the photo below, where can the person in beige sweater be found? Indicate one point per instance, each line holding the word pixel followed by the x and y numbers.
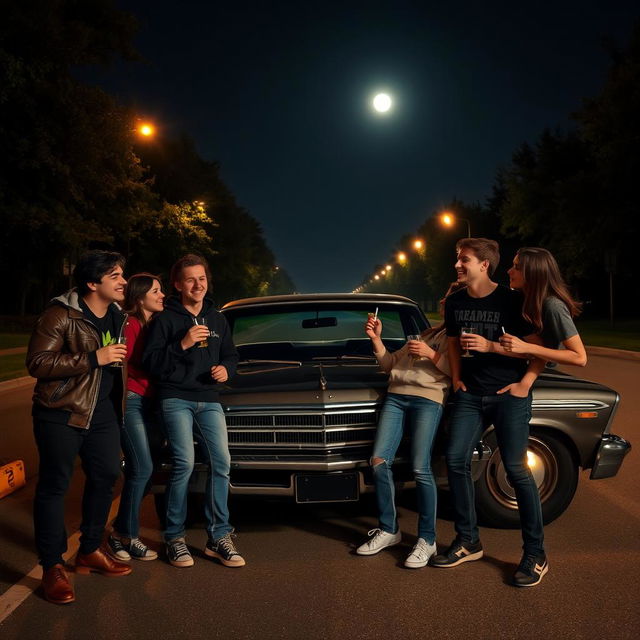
pixel 419 380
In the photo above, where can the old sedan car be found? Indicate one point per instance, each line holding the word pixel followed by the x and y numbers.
pixel 303 407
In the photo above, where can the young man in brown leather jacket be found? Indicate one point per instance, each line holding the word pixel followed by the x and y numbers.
pixel 77 407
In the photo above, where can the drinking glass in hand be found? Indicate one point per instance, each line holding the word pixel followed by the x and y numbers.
pixel 202 320
pixel 418 338
pixel 118 340
pixel 464 331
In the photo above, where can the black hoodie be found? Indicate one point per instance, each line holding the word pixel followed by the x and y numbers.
pixel 186 374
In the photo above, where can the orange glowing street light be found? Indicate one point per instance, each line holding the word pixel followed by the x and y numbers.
pixel 145 129
pixel 418 245
pixel 402 257
pixel 448 220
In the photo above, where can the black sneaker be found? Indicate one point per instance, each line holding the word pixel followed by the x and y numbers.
pixel 138 550
pixel 530 570
pixel 224 549
pixel 117 550
pixel 457 553
pixel 178 553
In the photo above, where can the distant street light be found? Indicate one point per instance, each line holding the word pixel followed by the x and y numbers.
pixel 402 257
pixel 145 129
pixel 448 220
pixel 418 245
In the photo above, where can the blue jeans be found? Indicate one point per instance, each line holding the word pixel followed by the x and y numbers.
pixel 422 417
pixel 185 420
pixel 510 417
pixel 138 417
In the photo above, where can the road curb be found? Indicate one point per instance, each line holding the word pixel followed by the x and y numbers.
pixel 613 353
pixel 16 383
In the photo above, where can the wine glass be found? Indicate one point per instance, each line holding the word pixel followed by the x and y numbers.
pixel 466 331
pixel 202 320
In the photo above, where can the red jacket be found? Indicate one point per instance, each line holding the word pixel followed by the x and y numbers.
pixel 138 380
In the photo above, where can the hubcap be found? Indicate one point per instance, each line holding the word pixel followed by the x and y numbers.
pixel 542 464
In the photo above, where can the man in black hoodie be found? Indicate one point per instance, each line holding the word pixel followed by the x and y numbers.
pixel 189 351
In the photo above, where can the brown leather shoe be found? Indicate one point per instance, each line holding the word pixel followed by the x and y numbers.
pixel 56 585
pixel 100 562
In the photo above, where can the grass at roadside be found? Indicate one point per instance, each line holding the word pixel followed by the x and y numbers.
pixel 10 340
pixel 12 366
pixel 624 334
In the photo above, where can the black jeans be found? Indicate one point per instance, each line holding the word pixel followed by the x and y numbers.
pixel 58 446
pixel 510 416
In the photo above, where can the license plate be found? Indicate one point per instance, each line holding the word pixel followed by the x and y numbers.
pixel 328 487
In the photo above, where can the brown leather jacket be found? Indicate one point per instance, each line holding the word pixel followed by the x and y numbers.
pixel 68 378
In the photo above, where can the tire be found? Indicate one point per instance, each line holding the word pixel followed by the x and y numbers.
pixel 554 468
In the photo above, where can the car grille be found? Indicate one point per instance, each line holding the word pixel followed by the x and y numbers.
pixel 301 430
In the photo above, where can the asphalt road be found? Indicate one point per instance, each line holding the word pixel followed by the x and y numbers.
pixel 303 580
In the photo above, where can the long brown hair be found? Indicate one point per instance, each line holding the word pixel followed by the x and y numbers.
pixel 542 279
pixel 137 287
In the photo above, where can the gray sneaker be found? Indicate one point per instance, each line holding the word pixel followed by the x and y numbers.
pixel 178 553
pixel 378 540
pixel 420 555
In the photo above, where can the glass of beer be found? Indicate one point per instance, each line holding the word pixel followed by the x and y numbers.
pixel 202 320
pixel 118 340
pixel 417 337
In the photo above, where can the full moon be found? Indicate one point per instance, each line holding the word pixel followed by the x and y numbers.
pixel 382 103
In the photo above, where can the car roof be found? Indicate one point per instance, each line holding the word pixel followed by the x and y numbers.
pixel 374 298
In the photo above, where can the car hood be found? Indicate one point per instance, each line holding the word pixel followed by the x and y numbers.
pixel 310 383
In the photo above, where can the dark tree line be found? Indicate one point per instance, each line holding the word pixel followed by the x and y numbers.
pixel 574 192
pixel 74 176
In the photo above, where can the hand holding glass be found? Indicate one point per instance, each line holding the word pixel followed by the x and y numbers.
pixel 464 331
pixel 202 320
pixel 417 338
pixel 118 340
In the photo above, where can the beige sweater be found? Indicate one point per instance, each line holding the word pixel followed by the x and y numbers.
pixel 422 378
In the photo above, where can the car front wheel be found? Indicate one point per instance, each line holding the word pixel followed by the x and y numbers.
pixel 554 469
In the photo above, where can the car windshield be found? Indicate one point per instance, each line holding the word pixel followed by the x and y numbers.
pixel 307 331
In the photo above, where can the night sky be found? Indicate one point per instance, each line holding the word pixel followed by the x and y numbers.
pixel 279 94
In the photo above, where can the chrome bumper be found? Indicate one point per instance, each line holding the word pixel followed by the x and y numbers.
pixel 611 453
pixel 339 464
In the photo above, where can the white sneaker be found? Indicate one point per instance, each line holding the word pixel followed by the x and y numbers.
pixel 419 556
pixel 378 540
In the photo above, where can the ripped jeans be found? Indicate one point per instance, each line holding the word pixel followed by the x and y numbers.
pixel 422 418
